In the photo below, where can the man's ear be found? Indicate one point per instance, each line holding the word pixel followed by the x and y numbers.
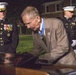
pixel 38 18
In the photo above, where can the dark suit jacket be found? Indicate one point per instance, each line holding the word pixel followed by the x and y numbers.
pixel 9 37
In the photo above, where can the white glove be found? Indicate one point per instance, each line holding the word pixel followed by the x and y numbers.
pixel 74 43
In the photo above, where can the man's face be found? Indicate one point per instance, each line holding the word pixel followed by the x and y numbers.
pixel 2 15
pixel 69 14
pixel 32 23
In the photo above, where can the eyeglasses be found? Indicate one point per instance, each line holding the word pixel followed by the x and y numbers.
pixel 71 11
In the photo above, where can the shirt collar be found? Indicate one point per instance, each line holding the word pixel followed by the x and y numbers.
pixel 41 24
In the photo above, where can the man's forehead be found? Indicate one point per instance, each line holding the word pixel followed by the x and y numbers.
pixel 28 17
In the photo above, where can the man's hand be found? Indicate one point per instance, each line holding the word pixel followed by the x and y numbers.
pixel 43 62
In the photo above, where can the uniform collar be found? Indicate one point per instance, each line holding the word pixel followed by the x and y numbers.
pixel 66 17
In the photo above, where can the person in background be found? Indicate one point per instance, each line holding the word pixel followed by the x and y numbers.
pixel 49 38
pixel 8 36
pixel 74 31
pixel 70 25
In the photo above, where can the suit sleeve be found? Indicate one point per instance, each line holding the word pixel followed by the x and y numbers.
pixel 62 46
pixel 15 39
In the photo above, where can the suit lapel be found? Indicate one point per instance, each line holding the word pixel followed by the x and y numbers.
pixel 40 42
pixel 48 32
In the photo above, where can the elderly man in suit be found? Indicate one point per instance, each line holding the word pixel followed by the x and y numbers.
pixel 50 38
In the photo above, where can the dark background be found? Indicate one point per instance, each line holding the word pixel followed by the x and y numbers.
pixel 21 4
pixel 15 8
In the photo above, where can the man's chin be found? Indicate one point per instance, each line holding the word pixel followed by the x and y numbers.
pixel 35 29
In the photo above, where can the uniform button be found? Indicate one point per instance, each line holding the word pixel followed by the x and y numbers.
pixel 1 23
pixel 0 38
pixel 1 41
pixel 2 44
pixel 0 33
pixel 0 28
